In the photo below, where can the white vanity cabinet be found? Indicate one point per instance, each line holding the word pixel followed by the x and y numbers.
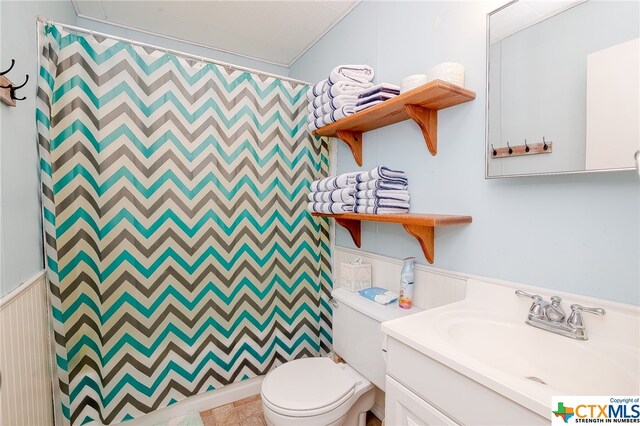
pixel 422 391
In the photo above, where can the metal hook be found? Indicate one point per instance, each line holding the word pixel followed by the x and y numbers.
pixel 12 90
pixel 493 151
pixel 526 147
pixel 510 150
pixel 13 62
pixel 545 147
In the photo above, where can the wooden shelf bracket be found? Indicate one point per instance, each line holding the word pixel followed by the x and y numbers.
pixel 354 141
pixel 353 226
pixel 427 119
pixel 425 236
pixel 419 226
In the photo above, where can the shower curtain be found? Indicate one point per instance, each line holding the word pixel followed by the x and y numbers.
pixel 179 252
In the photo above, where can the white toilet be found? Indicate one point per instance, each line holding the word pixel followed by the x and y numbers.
pixel 319 392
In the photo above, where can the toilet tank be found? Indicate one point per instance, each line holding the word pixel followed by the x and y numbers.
pixel 357 337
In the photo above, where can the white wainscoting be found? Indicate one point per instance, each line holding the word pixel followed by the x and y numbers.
pixel 25 389
pixel 433 287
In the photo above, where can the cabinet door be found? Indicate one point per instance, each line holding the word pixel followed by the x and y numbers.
pixel 405 408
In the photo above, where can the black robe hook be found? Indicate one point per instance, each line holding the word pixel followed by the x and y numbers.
pixel 510 150
pixel 526 147
pixel 12 90
pixel 13 62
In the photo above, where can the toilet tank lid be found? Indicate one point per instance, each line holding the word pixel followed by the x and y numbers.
pixel 370 308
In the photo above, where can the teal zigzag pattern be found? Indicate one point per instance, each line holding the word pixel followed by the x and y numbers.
pixel 180 254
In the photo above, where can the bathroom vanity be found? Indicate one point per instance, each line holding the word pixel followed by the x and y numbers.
pixel 477 362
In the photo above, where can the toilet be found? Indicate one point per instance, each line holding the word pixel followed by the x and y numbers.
pixel 320 392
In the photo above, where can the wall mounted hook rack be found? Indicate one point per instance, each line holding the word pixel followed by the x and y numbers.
pixel 543 147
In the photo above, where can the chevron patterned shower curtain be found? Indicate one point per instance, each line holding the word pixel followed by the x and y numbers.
pixel 180 255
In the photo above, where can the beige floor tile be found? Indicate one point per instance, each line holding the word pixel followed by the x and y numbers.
pixel 225 415
pixel 249 409
pixel 255 420
pixel 207 413
pixel 246 400
pixel 208 420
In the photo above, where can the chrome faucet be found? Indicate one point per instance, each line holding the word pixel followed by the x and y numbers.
pixel 551 317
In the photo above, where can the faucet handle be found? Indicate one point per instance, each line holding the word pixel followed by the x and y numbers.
pixel 537 307
pixel 555 301
pixel 535 297
pixel 575 319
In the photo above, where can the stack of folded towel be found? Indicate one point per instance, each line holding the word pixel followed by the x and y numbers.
pixel 381 191
pixel 377 94
pixel 333 194
pixel 337 96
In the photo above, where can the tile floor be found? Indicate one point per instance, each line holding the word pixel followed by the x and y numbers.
pixel 248 412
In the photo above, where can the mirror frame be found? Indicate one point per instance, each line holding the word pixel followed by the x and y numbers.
pixel 486 111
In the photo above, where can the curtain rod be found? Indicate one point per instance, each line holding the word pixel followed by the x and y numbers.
pixel 172 51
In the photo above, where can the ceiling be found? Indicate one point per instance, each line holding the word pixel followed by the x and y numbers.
pixel 523 14
pixel 278 32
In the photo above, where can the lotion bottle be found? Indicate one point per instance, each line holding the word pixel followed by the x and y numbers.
pixel 406 284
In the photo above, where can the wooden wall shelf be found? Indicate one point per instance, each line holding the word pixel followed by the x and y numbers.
pixel 420 104
pixel 420 226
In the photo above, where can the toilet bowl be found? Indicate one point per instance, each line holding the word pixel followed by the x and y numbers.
pixel 319 392
pixel 316 392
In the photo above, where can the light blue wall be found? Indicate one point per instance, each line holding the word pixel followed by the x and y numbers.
pixel 578 233
pixel 21 241
pixel 180 46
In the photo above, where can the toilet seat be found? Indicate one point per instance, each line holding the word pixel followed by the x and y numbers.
pixel 307 387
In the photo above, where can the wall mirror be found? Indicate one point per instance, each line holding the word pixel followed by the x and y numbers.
pixel 563 87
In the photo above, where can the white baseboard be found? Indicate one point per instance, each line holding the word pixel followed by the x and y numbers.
pixel 378 411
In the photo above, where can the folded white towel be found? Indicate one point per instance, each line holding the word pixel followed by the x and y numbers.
pixel 381 172
pixel 344 195
pixel 357 73
pixel 338 114
pixel 382 184
pixel 318 89
pixel 333 182
pixel 342 88
pixel 381 202
pixel 379 210
pixel 329 208
pixel 332 117
pixel 380 88
pixel 382 193
pixel 334 104
pixel 369 104
pixel 317 102
pixel 373 98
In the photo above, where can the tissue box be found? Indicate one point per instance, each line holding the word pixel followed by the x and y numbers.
pixel 355 276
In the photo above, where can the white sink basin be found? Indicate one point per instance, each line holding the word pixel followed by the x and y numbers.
pixel 526 352
pixel 485 338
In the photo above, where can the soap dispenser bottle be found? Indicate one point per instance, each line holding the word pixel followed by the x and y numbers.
pixel 406 284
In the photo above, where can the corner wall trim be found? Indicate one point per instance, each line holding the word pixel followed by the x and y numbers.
pixel 15 293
